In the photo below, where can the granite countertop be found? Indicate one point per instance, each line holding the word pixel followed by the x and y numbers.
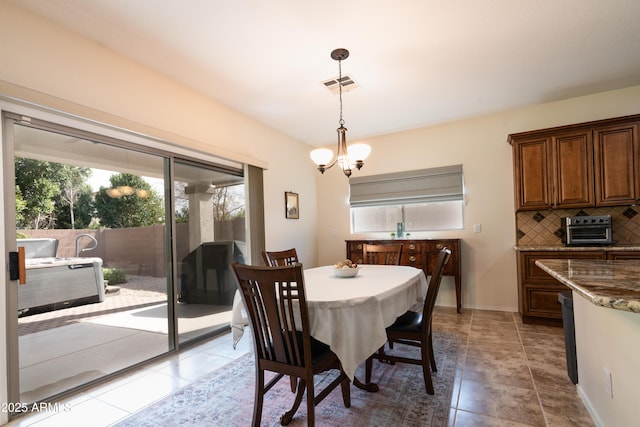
pixel 612 284
pixel 612 248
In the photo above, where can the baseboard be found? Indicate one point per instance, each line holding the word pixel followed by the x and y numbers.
pixel 482 307
pixel 587 404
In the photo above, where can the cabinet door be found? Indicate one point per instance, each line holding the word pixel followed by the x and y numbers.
pixel 573 170
pixel 538 291
pixel 531 273
pixel 542 302
pixel 532 174
pixel 617 165
pixel 623 255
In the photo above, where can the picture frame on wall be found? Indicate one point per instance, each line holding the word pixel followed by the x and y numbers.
pixel 291 205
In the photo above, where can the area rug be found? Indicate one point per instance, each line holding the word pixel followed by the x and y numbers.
pixel 225 397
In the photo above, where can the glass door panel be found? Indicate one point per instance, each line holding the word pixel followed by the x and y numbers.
pixel 92 219
pixel 210 235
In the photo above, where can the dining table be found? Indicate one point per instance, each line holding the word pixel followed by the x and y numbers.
pixel 351 314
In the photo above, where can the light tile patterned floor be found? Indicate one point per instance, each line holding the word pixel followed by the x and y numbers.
pixel 509 374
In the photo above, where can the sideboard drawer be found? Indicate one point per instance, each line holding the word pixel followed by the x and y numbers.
pixel 438 245
pixel 413 247
pixel 413 259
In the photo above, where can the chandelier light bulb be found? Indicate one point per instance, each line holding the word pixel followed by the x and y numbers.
pixel 359 151
pixel 321 156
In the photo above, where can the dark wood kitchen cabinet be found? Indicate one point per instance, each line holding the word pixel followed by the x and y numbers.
pixel 616 156
pixel 420 254
pixel 583 165
pixel 531 173
pixel 553 170
pixel 538 291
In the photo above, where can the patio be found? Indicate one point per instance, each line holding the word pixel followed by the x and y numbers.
pixel 66 348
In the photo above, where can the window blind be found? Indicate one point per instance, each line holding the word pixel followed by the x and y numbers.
pixel 419 186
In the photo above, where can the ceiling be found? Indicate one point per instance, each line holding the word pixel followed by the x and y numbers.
pixel 416 62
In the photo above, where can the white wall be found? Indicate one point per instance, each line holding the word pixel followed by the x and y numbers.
pixel 52 66
pixel 607 338
pixel 480 145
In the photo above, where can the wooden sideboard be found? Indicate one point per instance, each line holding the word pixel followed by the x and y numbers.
pixel 420 254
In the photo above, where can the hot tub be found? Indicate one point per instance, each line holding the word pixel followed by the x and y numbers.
pixel 54 282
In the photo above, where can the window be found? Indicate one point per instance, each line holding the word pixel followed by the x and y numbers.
pixel 427 199
pixel 375 218
pixel 433 216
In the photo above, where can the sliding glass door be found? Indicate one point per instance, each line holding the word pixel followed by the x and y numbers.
pixel 210 235
pixel 126 252
pixel 91 219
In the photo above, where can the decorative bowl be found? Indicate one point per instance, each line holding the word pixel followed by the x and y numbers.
pixel 345 271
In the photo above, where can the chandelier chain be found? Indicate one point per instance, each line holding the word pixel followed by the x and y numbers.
pixel 341 121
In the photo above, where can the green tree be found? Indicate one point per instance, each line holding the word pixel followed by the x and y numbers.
pixel 38 189
pixel 182 215
pixel 74 205
pixel 50 192
pixel 21 205
pixel 80 214
pixel 129 202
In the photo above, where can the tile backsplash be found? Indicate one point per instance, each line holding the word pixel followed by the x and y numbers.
pixel 543 227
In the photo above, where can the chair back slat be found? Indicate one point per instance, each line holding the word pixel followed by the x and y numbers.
pixel 276 306
pixel 280 258
pixel 434 285
pixel 383 254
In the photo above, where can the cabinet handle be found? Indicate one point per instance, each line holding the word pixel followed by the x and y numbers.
pixel 412 258
pixel 439 246
pixel 412 246
pixel 360 246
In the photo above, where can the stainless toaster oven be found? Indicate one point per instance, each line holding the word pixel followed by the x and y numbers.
pixel 587 230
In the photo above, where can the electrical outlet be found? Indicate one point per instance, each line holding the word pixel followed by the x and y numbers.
pixel 477 228
pixel 608 382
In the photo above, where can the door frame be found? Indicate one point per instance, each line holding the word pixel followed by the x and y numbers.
pixel 9 344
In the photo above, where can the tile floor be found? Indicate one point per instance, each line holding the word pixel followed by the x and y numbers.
pixel 509 374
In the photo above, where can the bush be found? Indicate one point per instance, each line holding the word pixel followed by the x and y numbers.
pixel 115 276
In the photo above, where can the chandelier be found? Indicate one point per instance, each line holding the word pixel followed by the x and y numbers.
pixel 347 157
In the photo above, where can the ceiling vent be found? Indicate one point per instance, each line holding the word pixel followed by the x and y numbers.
pixel 347 84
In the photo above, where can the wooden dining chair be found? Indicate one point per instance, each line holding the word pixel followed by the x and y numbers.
pixel 276 305
pixel 280 258
pixel 387 254
pixel 414 329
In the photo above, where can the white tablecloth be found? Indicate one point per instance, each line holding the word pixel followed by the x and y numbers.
pixel 351 314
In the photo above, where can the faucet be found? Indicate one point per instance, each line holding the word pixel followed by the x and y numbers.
pixel 79 236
